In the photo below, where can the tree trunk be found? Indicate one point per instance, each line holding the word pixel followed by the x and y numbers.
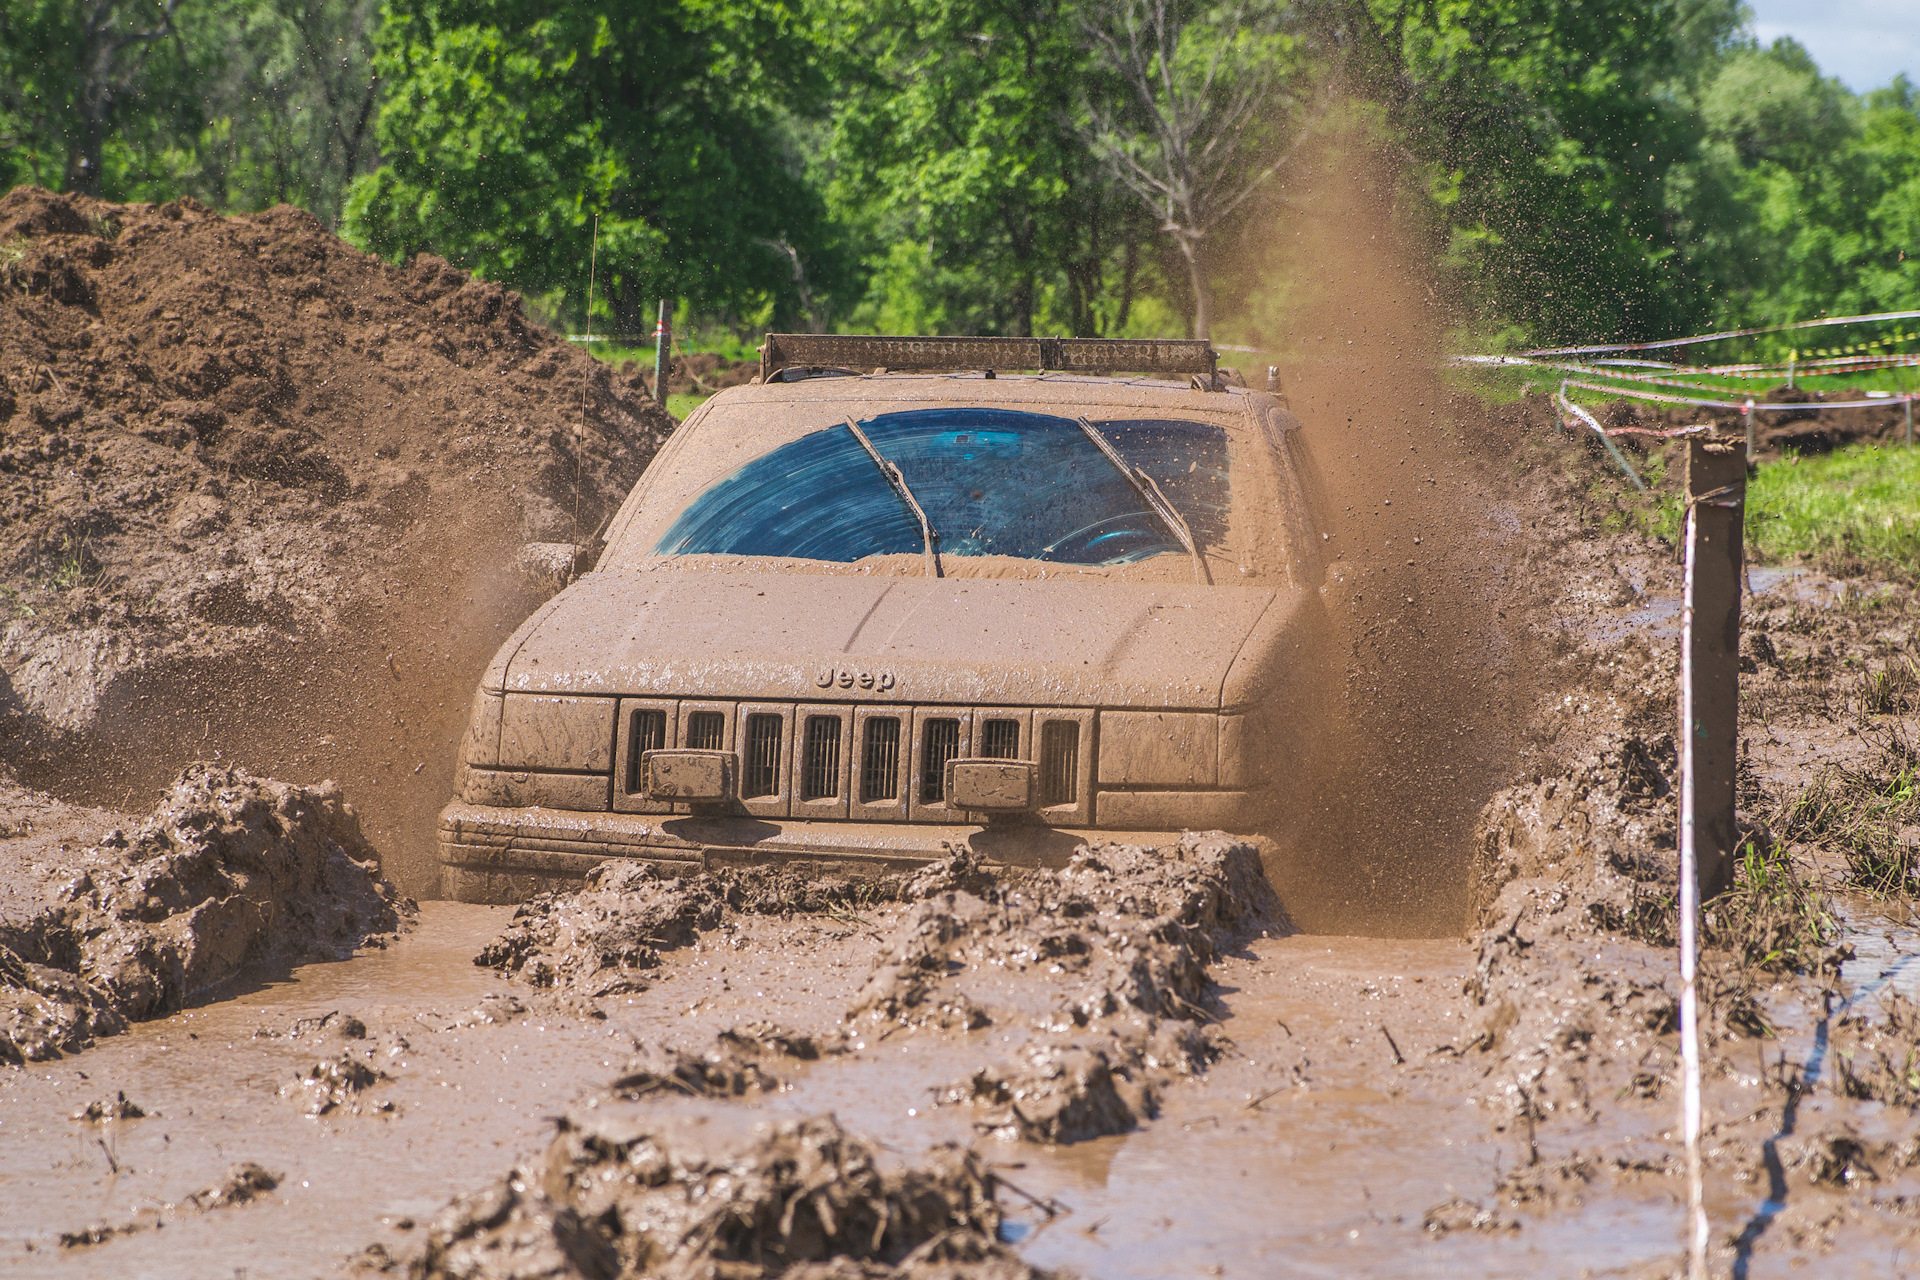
pixel 1197 278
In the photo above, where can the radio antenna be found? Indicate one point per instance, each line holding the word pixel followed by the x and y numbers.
pixel 580 432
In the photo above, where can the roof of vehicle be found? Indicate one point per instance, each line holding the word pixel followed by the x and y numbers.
pixel 979 387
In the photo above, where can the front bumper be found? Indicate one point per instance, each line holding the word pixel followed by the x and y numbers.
pixel 499 855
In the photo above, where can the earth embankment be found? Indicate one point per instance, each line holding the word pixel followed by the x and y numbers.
pixel 261 499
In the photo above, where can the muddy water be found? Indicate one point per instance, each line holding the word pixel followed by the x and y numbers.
pixel 1277 1164
pixel 1342 1115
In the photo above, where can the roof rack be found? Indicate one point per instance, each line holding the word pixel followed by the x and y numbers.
pixel 1077 355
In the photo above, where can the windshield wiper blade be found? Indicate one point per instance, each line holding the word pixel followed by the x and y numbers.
pixel 1150 494
pixel 929 539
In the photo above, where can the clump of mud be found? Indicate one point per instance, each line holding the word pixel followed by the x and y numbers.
pixel 599 939
pixel 243 1184
pixel 1103 963
pixel 1106 959
pixel 743 1060
pixel 231 873
pixel 253 480
pixel 804 1201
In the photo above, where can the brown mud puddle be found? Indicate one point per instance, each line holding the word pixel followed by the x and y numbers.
pixel 1305 1150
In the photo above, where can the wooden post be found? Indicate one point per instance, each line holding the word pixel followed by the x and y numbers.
pixel 662 349
pixel 1709 747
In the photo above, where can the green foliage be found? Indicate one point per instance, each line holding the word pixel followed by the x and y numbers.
pixel 1549 127
pixel 240 103
pixel 510 126
pixel 1803 199
pixel 1634 169
pixel 956 158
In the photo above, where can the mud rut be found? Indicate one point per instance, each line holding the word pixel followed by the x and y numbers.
pixel 1155 1062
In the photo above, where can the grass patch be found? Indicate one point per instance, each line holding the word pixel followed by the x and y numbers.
pixel 1854 509
pixel 1863 814
pixel 1771 919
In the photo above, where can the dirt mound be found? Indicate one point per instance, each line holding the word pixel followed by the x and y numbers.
pixel 253 481
pixel 232 873
pixel 802 1200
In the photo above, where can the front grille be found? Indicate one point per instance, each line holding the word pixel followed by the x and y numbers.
pixel 1059 762
pixel 1000 739
pixel 825 760
pixel 760 774
pixel 940 744
pixel 647 732
pixel 880 765
pixel 820 765
pixel 707 731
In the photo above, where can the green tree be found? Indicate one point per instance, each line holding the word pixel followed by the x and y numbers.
pixel 78 77
pixel 509 126
pixel 1208 101
pixel 1550 129
pixel 241 103
pixel 957 158
pixel 1802 201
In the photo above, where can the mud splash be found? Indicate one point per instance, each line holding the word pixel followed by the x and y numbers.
pixel 231 875
pixel 804 1200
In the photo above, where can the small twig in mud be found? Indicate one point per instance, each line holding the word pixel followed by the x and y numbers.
pixel 1283 1026
pixel 1052 1208
pixel 1254 1105
pixel 393 667
pixel 1526 1111
pixel 845 916
pixel 1200 1015
pixel 112 1164
pixel 1092 1229
pixel 1399 1059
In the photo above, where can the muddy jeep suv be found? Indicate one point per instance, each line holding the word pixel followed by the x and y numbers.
pixel 863 609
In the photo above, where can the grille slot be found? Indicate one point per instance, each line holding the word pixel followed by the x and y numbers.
pixel 647 731
pixel 1000 739
pixel 760 775
pixel 820 766
pixel 939 744
pixel 1059 762
pixel 880 763
pixel 707 731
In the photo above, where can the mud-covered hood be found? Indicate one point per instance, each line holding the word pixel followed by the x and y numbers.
pixel 754 635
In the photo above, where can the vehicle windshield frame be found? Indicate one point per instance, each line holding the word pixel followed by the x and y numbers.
pixel 1243 537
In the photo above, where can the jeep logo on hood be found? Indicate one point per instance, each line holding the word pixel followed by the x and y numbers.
pixel 849 679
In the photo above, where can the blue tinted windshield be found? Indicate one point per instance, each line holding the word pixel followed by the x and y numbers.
pixel 992 482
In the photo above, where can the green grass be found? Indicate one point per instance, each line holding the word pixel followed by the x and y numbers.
pixel 1855 508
